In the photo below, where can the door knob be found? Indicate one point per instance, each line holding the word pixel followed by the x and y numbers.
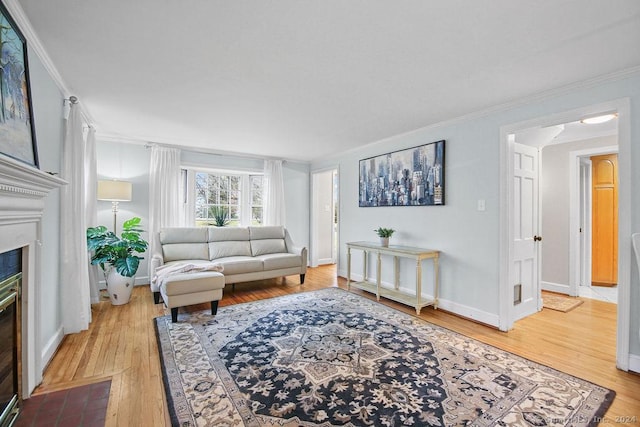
pixel 537 238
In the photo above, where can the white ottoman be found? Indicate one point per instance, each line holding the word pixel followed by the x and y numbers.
pixel 184 289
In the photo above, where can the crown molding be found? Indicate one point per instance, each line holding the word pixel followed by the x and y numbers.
pixel 536 97
pixel 165 142
pixel 114 137
pixel 34 43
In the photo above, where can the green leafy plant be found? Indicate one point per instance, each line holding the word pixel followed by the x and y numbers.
pixel 220 216
pixel 384 232
pixel 116 251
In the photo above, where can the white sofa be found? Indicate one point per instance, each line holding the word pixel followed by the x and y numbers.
pixel 246 253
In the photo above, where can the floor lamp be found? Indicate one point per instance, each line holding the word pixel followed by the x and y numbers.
pixel 115 192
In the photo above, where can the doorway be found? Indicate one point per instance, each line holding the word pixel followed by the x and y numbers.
pixel 324 217
pixel 509 279
pixel 582 218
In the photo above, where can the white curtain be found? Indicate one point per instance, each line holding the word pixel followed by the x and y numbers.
pixel 273 187
pixel 91 209
pixel 74 275
pixel 164 191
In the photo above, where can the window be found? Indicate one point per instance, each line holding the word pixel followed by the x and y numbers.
pixel 256 199
pixel 223 198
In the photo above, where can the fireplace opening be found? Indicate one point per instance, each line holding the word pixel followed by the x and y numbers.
pixel 10 351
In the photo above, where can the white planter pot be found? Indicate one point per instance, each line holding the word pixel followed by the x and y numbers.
pixel 384 242
pixel 119 286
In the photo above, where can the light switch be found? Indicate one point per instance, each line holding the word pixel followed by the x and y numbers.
pixel 481 205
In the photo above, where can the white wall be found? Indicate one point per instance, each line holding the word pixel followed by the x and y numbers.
pixel 296 190
pixel 554 194
pixel 464 235
pixel 469 239
pixel 126 162
pixel 48 116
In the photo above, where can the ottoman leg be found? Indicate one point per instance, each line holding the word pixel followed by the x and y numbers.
pixel 214 307
pixel 156 297
pixel 302 279
pixel 174 315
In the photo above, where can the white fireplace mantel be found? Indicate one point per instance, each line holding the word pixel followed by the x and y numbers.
pixel 23 189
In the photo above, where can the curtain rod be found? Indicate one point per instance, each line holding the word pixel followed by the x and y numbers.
pixel 75 101
pixel 72 99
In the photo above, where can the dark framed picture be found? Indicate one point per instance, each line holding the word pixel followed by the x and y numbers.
pixel 410 177
pixel 17 133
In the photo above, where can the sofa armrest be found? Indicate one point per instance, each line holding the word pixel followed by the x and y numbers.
pixel 302 251
pixel 156 261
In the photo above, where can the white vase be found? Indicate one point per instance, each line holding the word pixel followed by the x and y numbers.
pixel 384 242
pixel 119 286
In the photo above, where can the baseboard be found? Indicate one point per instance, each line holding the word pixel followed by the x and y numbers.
pixel 461 310
pixel 634 363
pixel 471 313
pixel 51 346
pixel 142 280
pixel 555 287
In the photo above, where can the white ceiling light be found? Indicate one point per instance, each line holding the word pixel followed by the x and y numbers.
pixel 599 119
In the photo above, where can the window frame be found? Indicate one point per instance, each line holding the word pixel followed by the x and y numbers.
pixel 245 205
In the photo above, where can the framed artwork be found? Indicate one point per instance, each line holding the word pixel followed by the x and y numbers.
pixel 17 133
pixel 411 177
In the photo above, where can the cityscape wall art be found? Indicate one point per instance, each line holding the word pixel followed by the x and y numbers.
pixel 17 132
pixel 410 177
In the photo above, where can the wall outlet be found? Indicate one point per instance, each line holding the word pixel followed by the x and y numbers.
pixel 481 205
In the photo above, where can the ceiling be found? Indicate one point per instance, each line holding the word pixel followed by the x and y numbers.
pixel 303 79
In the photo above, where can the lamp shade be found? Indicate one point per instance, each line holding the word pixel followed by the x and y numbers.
pixel 114 191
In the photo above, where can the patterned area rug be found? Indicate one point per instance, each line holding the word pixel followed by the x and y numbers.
pixel 333 358
pixel 560 302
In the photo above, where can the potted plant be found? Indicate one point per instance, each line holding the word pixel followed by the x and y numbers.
pixel 384 234
pixel 116 256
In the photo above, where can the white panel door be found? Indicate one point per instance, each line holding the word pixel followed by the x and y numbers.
pixel 526 285
pixel 323 236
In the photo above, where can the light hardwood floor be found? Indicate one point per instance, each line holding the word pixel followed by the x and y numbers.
pixel 121 345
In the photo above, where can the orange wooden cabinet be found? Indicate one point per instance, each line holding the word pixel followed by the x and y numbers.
pixel 604 263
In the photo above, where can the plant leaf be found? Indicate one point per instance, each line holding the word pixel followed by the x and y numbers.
pixel 131 223
pixel 127 266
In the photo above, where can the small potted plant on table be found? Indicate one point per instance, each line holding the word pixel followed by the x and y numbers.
pixel 384 234
pixel 116 256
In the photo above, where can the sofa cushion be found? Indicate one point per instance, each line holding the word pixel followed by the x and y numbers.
pixel 268 246
pixel 185 251
pixel 278 261
pixel 240 265
pixel 223 234
pixel 183 235
pixel 188 283
pixel 229 248
pixel 267 232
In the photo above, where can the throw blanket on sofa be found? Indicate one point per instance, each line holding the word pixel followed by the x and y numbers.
pixel 165 271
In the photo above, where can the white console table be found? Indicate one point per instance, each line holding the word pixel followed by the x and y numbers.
pixel 418 254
